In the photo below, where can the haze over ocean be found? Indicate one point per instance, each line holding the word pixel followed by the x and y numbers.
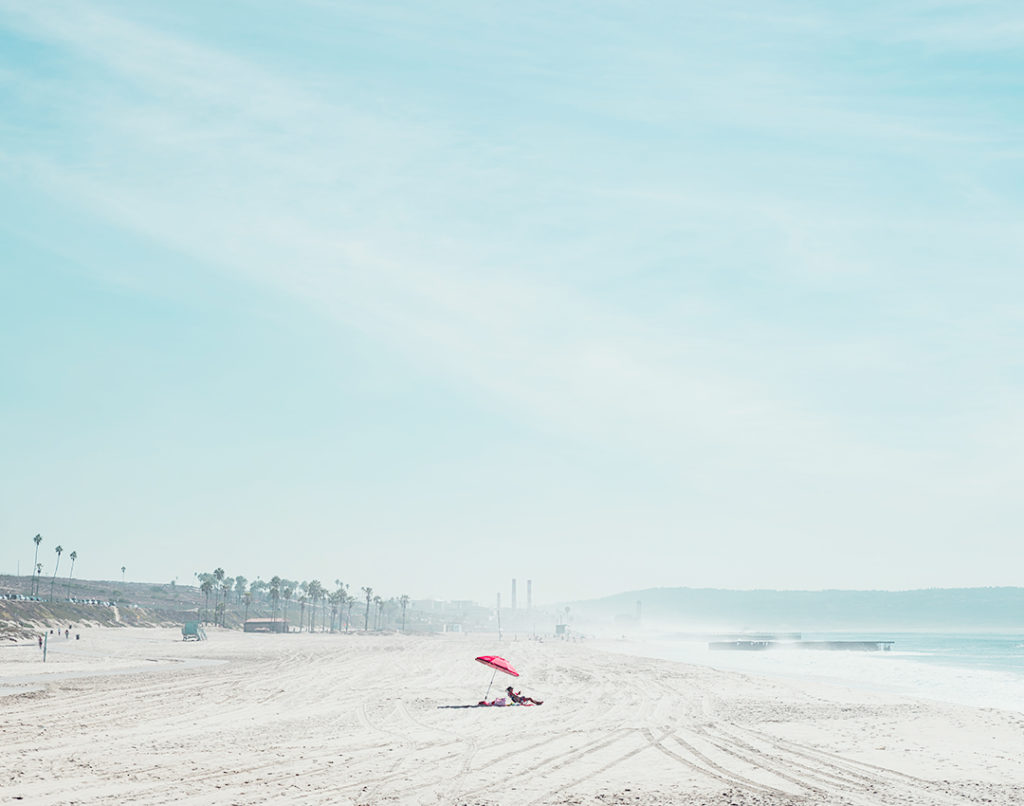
pixel 979 668
pixel 607 296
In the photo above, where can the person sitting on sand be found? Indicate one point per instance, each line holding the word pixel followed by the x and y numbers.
pixel 518 698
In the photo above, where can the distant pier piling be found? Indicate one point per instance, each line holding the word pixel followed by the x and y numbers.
pixel 849 646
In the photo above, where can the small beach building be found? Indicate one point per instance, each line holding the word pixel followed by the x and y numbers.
pixel 265 625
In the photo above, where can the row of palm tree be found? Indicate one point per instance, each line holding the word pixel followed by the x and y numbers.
pixel 379 605
pixel 37 568
pixel 311 595
pixel 316 602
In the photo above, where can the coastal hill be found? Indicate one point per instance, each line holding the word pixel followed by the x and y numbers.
pixel 719 609
pixel 91 603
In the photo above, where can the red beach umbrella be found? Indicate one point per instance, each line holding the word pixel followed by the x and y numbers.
pixel 499 665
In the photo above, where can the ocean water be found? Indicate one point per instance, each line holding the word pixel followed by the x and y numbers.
pixel 979 668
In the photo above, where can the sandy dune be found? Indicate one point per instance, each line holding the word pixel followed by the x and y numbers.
pixel 352 719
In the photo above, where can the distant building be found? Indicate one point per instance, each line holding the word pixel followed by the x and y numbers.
pixel 266 625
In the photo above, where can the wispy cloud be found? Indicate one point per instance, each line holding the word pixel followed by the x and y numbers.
pixel 400 221
pixel 245 169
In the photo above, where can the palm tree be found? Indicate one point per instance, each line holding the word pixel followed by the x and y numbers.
pixel 369 597
pixel 332 598
pixel 218 579
pixel 35 564
pixel 302 611
pixel 206 587
pixel 59 550
pixel 74 556
pixel 225 588
pixel 247 598
pixel 343 603
pixel 240 583
pixel 315 591
pixel 287 593
pixel 348 617
pixel 404 601
pixel 275 592
pixel 377 603
pixel 310 606
pixel 257 588
pixel 336 601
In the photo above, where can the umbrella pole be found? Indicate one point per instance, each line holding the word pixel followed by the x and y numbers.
pixel 489 684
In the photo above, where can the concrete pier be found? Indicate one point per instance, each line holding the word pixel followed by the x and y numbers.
pixel 855 646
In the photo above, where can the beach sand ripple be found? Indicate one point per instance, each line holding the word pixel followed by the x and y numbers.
pixel 354 719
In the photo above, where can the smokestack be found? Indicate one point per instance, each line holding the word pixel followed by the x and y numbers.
pixel 513 593
pixel 529 594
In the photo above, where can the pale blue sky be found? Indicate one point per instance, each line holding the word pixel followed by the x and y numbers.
pixel 609 295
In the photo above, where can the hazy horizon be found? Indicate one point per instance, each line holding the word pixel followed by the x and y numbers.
pixel 607 598
pixel 607 297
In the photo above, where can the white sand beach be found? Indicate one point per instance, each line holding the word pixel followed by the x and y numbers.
pixel 136 716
